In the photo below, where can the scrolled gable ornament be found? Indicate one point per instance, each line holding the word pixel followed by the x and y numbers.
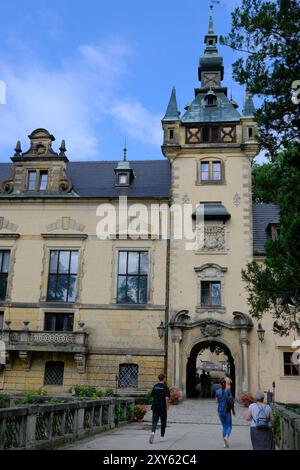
pixel 211 329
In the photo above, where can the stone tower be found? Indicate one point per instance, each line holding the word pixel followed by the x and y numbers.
pixel 211 147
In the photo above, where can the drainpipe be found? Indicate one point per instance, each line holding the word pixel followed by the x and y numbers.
pixel 167 297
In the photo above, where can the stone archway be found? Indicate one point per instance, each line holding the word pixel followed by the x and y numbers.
pixel 214 346
pixel 188 332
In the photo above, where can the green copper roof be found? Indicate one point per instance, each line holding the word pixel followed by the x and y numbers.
pixel 199 112
pixel 172 113
pixel 249 108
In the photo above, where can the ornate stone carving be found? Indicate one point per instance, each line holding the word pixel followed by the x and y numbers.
pixel 52 337
pixel 25 358
pixel 236 199
pixel 7 186
pixel 80 360
pixel 214 238
pixel 65 223
pixel 7 225
pixel 211 329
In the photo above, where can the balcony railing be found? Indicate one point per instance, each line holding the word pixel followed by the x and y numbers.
pixel 62 341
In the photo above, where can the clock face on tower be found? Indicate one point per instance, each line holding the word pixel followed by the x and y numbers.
pixel 211 79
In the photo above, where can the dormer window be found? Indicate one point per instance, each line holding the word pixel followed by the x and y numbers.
pixel 211 100
pixel 123 178
pixel 32 180
pixel 37 180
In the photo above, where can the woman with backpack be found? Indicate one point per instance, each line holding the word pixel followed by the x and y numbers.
pixel 262 424
pixel 225 404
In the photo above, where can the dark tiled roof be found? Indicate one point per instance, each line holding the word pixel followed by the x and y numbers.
pixel 263 215
pixel 97 179
pixel 223 112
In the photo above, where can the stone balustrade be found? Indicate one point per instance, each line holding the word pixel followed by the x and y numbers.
pixel 63 341
pixel 52 425
pixel 288 438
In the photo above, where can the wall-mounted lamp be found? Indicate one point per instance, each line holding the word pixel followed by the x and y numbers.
pixel 161 330
pixel 261 332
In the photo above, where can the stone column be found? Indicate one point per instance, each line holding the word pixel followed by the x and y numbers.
pixel 245 360
pixel 176 339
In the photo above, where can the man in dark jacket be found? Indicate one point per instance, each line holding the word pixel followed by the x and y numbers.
pixel 160 394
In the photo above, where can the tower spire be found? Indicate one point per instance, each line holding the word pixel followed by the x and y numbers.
pixel 172 113
pixel 211 21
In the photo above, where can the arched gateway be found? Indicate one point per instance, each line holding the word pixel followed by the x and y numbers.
pixel 214 347
pixel 191 337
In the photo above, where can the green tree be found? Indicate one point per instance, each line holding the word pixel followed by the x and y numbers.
pixel 267 33
pixel 274 286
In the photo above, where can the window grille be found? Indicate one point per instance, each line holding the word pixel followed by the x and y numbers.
pixel 128 375
pixel 54 373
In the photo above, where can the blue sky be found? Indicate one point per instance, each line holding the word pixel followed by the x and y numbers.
pixel 93 71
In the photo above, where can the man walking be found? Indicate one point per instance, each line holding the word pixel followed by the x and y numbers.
pixel 160 394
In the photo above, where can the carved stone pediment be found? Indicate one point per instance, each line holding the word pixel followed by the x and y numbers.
pixel 211 329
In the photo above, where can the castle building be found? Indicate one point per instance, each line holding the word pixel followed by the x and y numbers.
pixel 114 312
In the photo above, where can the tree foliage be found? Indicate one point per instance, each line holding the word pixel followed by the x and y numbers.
pixel 267 33
pixel 274 286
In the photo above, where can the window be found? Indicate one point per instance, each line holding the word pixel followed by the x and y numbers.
pixel 59 322
pixel 291 368
pixel 210 293
pixel 205 134
pixel 250 132
pixel 43 180
pixel 54 373
pixel 1 320
pixel 133 277
pixel 4 268
pixel 211 42
pixel 62 280
pixel 211 171
pixel 210 134
pixel 123 178
pixel 128 375
pixel 37 180
pixel 215 134
pixel 216 171
pixel 171 134
pixel 31 180
pixel 211 101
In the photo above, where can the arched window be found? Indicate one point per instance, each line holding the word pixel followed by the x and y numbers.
pixel 128 375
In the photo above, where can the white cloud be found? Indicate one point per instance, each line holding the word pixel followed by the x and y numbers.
pixel 137 122
pixel 69 101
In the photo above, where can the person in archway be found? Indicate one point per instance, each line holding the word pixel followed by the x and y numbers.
pixel 202 383
pixel 208 386
pixel 225 404
pixel 160 404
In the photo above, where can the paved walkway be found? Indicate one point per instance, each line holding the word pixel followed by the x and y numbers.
pixel 192 425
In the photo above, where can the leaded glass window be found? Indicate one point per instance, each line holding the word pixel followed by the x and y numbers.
pixel 62 281
pixel 133 272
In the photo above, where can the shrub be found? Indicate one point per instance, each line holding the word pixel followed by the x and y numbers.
pixel 4 402
pixel 108 392
pixel 86 391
